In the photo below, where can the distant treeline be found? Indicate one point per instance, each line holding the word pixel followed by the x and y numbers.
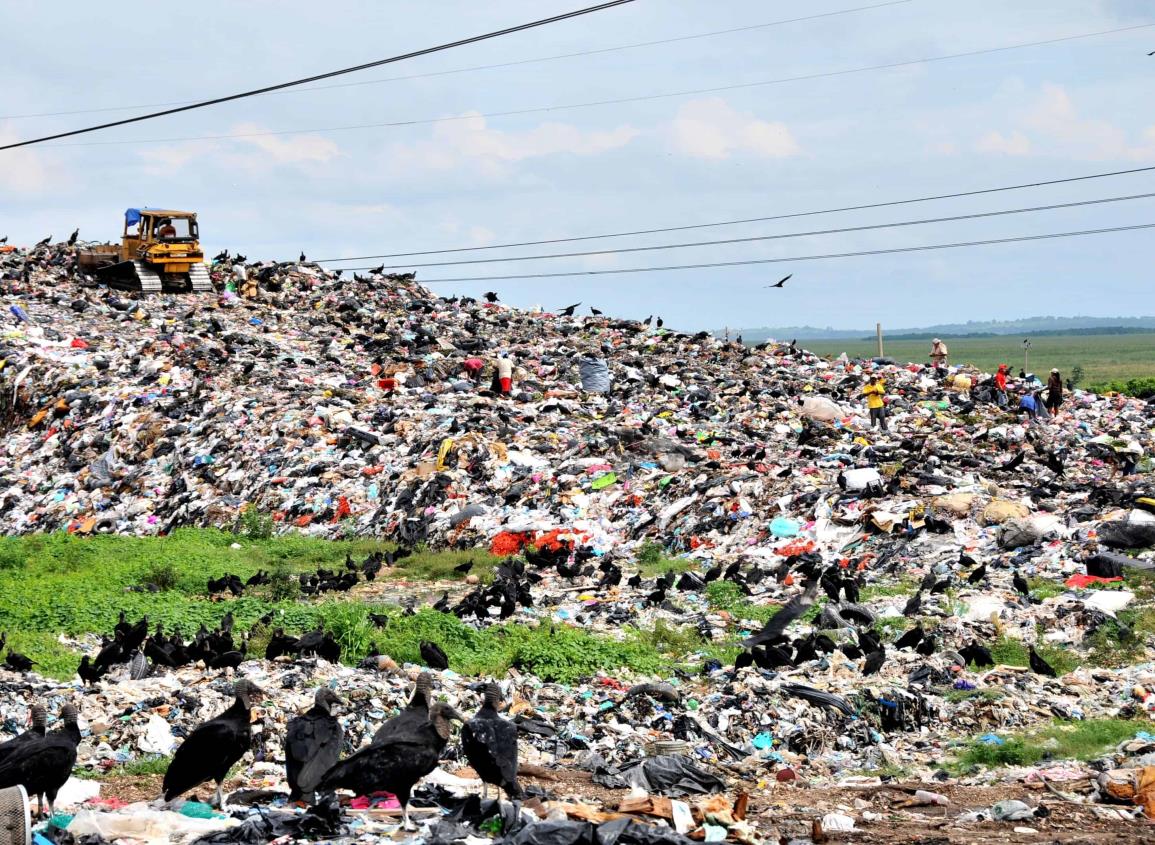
pixel 1105 330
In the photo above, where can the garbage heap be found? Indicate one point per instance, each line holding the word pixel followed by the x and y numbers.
pixel 341 405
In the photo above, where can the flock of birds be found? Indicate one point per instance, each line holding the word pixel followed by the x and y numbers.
pixel 318 582
pixel 405 749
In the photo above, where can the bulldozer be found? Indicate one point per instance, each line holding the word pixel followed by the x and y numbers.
pixel 160 252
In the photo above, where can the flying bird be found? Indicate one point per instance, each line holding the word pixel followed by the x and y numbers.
pixel 490 296
pixel 312 745
pixel 72 238
pixel 490 746
pixel 781 282
pixel 213 747
pixel 568 310
pixel 790 611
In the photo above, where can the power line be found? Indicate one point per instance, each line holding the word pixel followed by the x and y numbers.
pixel 753 238
pixel 920 248
pixel 498 65
pixel 791 216
pixel 328 75
pixel 594 103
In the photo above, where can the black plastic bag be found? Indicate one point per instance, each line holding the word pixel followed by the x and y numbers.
pixel 667 775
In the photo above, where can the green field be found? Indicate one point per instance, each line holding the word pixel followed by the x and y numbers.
pixel 1103 357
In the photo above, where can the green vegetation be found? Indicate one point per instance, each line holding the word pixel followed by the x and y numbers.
pixel 1057 741
pixel 728 596
pixel 1143 388
pixel 1045 588
pixel 60 584
pixel 1011 652
pixel 1103 358
pixel 653 561
pixel 152 764
pixel 987 694
pixel 901 587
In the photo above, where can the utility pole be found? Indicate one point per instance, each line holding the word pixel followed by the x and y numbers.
pixel 878 335
pixel 1027 355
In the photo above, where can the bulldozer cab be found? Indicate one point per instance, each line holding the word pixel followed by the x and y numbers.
pixel 160 251
pixel 143 226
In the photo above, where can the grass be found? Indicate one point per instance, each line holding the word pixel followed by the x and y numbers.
pixel 1104 358
pixel 653 561
pixel 726 595
pixel 902 587
pixel 152 764
pixel 987 694
pixel 1057 741
pixel 1045 588
pixel 59 584
pixel 1007 651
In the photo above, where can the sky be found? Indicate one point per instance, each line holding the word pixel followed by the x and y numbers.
pixel 459 174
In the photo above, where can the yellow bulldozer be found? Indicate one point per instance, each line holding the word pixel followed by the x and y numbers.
pixel 159 252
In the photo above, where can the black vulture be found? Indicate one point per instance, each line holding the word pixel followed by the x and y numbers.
pixel 212 749
pixel 396 764
pixel 312 745
pixel 89 674
pixel 415 714
pixel 433 656
pixel 35 732
pixel 490 746
pixel 18 662
pixel 1021 584
pixel 874 661
pixel 910 639
pixel 43 765
pixel 1040 666
pixel 976 654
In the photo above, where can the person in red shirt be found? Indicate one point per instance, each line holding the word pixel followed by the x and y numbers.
pixel 1001 384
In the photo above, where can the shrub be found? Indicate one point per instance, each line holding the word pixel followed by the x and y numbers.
pixel 255 524
pixel 162 575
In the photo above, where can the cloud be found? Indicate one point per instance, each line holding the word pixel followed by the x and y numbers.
pixel 21 170
pixel 1053 126
pixel 712 128
pixel 470 142
pixel 1012 144
pixel 242 153
pixel 286 149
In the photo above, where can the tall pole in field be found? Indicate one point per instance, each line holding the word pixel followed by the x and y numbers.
pixel 1027 355
pixel 878 336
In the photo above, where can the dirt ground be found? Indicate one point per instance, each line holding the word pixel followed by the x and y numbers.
pixel 787 812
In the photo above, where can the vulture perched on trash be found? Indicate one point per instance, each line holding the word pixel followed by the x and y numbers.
pixel 312 745
pixel 35 732
pixel 490 746
pixel 396 764
pixel 212 749
pixel 415 714
pixel 44 764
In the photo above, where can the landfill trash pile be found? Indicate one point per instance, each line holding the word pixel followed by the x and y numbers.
pixel 908 565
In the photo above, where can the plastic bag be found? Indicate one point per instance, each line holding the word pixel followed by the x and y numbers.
pixel 671 776
pixel 595 375
pixel 1136 531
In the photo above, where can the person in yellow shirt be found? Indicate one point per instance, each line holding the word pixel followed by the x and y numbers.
pixel 874 391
